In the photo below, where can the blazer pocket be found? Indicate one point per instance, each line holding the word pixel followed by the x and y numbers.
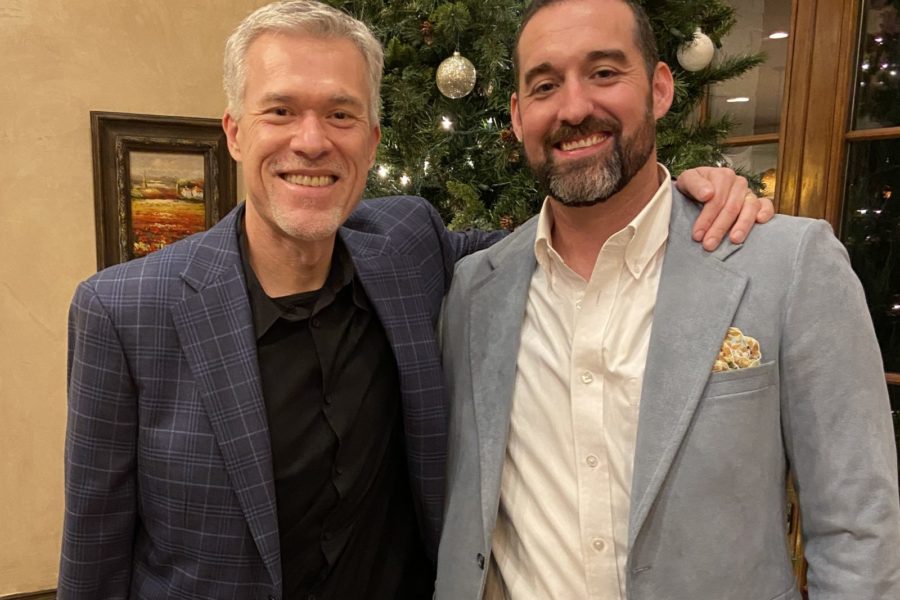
pixel 742 381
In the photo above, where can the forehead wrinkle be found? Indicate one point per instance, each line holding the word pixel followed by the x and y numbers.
pixel 614 55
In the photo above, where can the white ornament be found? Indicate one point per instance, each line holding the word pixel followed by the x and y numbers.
pixel 456 76
pixel 697 54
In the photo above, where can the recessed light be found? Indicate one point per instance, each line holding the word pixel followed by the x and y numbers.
pixel 778 35
pixel 738 99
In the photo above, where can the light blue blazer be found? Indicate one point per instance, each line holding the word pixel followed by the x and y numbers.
pixel 708 502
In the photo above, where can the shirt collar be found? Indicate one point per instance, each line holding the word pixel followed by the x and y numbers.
pixel 267 310
pixel 646 233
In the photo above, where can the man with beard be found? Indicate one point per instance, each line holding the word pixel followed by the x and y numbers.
pixel 624 404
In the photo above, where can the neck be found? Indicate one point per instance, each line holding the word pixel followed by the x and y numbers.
pixel 284 265
pixel 579 232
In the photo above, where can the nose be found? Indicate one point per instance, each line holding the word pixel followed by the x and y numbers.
pixel 309 137
pixel 576 104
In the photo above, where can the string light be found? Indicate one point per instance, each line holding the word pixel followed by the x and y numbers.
pixel 383 172
pixel 446 123
pixel 404 180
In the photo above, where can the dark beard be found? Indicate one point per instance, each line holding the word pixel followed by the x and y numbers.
pixel 593 180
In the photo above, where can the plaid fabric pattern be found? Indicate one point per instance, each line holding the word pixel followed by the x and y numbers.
pixel 169 490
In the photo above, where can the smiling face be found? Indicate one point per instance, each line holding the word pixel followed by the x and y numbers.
pixel 585 108
pixel 305 138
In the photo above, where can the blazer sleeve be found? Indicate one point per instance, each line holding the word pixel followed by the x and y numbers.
pixel 837 426
pixel 458 244
pixel 101 436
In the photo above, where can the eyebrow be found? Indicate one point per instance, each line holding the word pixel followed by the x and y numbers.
pixel 594 55
pixel 336 99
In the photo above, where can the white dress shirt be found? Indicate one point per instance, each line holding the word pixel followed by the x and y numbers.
pixel 562 525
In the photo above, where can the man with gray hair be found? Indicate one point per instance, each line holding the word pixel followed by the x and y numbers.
pixel 258 411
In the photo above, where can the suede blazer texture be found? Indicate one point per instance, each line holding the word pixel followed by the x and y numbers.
pixel 169 485
pixel 707 518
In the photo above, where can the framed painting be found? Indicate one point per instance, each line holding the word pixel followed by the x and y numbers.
pixel 156 180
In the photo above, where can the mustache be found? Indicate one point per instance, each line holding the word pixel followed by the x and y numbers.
pixel 588 126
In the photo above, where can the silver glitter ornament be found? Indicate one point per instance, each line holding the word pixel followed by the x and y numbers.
pixel 456 76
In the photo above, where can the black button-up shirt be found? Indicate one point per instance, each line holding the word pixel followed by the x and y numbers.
pixel 345 512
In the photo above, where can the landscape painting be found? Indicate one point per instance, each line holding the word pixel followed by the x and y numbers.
pixel 157 179
pixel 167 199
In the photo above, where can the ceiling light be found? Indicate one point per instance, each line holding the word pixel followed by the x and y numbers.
pixel 778 35
pixel 738 99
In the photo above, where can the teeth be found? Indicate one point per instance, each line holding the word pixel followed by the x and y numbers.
pixel 590 141
pixel 310 181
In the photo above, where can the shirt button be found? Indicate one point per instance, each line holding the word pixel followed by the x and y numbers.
pixel 598 544
pixel 578 304
pixel 316 322
pixel 587 377
pixel 592 460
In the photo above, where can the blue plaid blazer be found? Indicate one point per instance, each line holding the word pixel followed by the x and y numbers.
pixel 169 485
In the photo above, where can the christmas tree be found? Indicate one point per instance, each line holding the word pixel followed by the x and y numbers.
pixel 460 153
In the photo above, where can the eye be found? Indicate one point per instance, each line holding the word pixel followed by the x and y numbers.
pixel 604 73
pixel 279 111
pixel 543 88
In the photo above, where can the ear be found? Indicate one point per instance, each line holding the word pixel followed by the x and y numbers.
pixel 663 90
pixel 230 125
pixel 373 148
pixel 515 117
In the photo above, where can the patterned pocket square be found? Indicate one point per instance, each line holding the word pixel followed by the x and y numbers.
pixel 738 351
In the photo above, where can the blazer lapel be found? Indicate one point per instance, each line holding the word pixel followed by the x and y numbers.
pixel 495 325
pixel 215 327
pixel 394 287
pixel 696 302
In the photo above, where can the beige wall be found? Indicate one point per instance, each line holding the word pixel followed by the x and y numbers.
pixel 60 59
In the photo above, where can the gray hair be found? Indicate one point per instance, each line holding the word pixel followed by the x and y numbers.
pixel 299 17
